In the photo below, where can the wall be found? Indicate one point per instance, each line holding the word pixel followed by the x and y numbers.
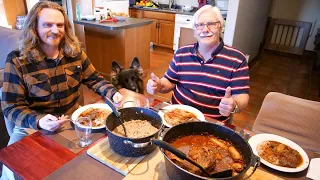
pixel 3 17
pixel 245 25
pixel 114 5
pixel 180 2
pixel 300 10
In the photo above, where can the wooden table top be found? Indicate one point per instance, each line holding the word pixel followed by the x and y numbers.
pixel 36 156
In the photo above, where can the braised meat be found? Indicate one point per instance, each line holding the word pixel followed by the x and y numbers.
pixel 208 151
pixel 205 156
pixel 279 154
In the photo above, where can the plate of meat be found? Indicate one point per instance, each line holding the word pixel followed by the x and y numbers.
pixel 176 114
pixel 98 114
pixel 279 153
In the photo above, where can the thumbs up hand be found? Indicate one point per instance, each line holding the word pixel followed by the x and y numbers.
pixel 227 103
pixel 154 84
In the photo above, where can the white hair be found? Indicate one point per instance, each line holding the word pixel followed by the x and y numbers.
pixel 207 8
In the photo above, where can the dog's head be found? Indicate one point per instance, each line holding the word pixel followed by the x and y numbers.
pixel 127 78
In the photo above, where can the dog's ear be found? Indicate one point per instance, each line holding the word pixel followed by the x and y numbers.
pixel 116 68
pixel 135 64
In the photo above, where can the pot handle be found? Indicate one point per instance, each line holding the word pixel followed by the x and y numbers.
pixel 137 145
pixel 255 162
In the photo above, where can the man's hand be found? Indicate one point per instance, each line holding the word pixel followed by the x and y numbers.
pixel 117 97
pixel 227 103
pixel 153 85
pixel 51 123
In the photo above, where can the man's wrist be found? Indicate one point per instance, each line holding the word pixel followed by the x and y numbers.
pixel 236 108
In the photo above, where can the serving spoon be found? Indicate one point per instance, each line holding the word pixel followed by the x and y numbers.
pixel 116 113
pixel 183 156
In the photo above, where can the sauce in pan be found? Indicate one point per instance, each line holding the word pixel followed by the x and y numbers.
pixel 210 152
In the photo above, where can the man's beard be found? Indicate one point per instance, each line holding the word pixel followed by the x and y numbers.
pixel 52 40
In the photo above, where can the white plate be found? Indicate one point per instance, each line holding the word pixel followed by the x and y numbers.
pixel 76 113
pixel 193 110
pixel 256 140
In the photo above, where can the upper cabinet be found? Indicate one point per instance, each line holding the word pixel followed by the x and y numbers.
pixel 162 29
pixel 9 10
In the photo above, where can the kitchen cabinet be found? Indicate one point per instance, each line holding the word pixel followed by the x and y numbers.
pixel 166 33
pixel 136 13
pixel 154 34
pixel 162 28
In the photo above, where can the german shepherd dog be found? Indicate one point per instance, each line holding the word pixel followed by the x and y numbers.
pixel 127 78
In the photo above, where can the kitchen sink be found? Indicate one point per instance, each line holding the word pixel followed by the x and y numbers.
pixel 171 9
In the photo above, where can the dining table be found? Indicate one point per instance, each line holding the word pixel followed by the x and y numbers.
pixel 45 155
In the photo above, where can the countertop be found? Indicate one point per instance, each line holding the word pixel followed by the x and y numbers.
pixel 178 11
pixel 128 23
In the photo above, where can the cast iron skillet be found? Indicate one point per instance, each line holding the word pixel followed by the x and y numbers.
pixel 175 172
pixel 133 147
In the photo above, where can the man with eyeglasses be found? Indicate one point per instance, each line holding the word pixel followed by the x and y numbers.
pixel 208 75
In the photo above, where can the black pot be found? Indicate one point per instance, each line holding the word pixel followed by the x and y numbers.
pixel 175 172
pixel 133 147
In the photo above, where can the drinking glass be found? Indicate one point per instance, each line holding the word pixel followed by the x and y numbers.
pixel 83 131
pixel 142 102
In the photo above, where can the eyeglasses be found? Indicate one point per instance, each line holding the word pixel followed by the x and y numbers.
pixel 210 25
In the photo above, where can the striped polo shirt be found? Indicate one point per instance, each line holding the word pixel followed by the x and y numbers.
pixel 37 86
pixel 203 84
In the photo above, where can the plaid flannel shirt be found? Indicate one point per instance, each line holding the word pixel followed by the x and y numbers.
pixel 38 86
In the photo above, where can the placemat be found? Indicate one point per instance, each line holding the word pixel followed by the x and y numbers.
pixel 67 137
pixel 153 167
pixel 86 168
pixel 103 153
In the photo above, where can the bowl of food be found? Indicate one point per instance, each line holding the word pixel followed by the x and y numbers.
pixel 141 124
pixel 120 16
pixel 175 114
pixel 216 148
pixel 98 114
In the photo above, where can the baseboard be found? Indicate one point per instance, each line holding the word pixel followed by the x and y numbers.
pixel 164 49
pixel 254 61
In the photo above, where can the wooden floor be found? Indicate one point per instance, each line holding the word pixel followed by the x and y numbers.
pixel 292 76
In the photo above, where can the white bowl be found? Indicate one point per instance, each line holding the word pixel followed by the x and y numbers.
pixel 187 8
pixel 121 18
pixel 89 17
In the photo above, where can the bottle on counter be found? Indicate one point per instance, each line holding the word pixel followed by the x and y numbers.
pixel 78 11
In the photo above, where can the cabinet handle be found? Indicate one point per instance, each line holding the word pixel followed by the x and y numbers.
pixel 158 25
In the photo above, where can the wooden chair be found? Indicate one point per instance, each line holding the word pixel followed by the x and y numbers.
pixel 287 36
pixel 291 117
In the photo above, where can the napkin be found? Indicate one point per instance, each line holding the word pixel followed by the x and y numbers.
pixel 313 171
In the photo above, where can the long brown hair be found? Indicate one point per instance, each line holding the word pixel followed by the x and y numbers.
pixel 30 39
